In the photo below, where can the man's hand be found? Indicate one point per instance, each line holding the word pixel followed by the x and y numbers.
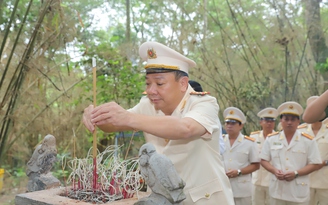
pixel 279 174
pixel 87 118
pixel 110 113
pixel 232 173
pixel 289 176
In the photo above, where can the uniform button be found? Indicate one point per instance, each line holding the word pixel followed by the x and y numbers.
pixel 286 168
pixel 302 183
pixel 229 169
pixel 230 150
pixel 207 195
pixel 230 159
pixel 286 158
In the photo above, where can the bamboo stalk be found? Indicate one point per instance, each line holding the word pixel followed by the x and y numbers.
pixel 94 148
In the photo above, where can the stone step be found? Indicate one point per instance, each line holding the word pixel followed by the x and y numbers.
pixel 52 197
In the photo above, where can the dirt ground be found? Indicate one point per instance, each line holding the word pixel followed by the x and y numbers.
pixel 11 187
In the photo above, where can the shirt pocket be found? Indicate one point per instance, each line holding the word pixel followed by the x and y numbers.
pixel 300 150
pixel 276 151
pixel 302 188
pixel 244 178
pixel 205 191
pixel 242 156
pixel 244 183
pixel 323 147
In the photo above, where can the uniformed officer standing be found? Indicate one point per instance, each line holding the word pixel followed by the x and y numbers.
pixel 261 177
pixel 290 156
pixel 318 179
pixel 241 157
pixel 181 124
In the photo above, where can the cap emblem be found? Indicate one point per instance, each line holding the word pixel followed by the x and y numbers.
pixel 231 112
pixel 291 107
pixel 270 112
pixel 151 53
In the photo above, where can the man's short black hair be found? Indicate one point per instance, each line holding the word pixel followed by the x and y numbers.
pixel 178 73
pixel 196 86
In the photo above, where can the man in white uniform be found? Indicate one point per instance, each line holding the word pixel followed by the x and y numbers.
pixel 290 156
pixel 181 124
pixel 261 177
pixel 318 179
pixel 241 157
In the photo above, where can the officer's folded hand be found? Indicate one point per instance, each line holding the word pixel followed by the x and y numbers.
pixel 289 176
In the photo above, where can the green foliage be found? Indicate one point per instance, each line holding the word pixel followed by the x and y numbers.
pixel 252 91
pixel 322 67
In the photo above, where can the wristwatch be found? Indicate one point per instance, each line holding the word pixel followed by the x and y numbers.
pixel 238 172
pixel 296 174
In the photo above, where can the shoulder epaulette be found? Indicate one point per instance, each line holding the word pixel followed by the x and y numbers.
pixel 307 135
pixel 255 132
pixel 274 133
pixel 199 93
pixel 304 125
pixel 250 138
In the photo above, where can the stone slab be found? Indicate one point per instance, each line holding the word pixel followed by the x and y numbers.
pixel 52 197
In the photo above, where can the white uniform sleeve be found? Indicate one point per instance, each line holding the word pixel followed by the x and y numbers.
pixel 205 111
pixel 254 153
pixel 265 152
pixel 314 154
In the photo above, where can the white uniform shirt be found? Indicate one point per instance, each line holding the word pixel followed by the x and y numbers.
pixel 221 141
pixel 260 177
pixel 319 179
pixel 300 152
pixel 197 159
pixel 242 153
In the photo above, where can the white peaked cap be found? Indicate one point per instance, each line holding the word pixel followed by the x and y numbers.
pixel 234 114
pixel 268 112
pixel 161 57
pixel 290 107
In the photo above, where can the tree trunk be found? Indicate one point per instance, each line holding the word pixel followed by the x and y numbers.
pixel 128 29
pixel 315 34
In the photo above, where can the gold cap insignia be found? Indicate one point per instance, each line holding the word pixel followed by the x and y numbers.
pixel 291 107
pixel 231 112
pixel 151 53
pixel 270 112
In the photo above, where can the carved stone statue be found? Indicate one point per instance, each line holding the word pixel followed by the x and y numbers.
pixel 40 164
pixel 161 177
